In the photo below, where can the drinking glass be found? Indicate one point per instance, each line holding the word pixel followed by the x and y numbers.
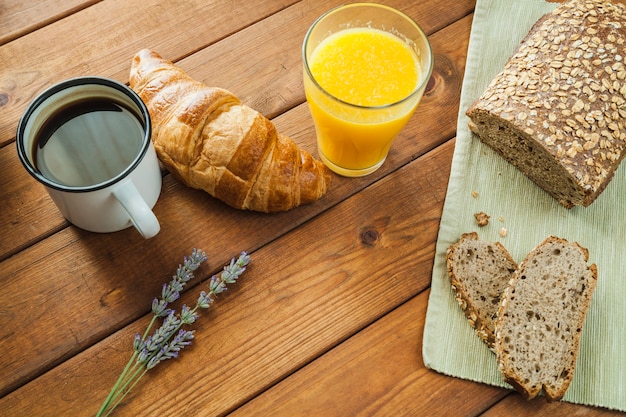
pixel 360 104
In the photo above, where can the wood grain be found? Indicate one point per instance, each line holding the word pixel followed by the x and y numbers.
pixel 19 17
pixel 33 215
pixel 100 278
pixel 328 319
pixel 268 326
pixel 122 29
pixel 382 367
pixel 515 405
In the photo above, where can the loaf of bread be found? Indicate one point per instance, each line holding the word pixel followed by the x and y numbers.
pixel 557 110
pixel 540 318
pixel 479 271
pixel 211 141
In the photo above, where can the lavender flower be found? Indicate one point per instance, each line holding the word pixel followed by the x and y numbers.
pixel 170 325
pixel 171 291
pixel 187 316
pixel 230 274
pixel 170 350
pixel 169 339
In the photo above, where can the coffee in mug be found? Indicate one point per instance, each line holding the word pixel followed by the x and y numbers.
pixel 87 142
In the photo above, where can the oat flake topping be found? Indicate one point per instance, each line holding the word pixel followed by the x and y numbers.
pixel 573 93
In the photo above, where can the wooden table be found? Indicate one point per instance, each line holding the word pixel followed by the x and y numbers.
pixel 328 319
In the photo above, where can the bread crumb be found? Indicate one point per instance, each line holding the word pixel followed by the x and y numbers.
pixel 503 232
pixel 475 194
pixel 482 218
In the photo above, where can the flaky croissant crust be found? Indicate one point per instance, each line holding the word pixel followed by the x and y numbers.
pixel 209 140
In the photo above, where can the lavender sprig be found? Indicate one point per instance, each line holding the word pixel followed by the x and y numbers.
pixel 169 339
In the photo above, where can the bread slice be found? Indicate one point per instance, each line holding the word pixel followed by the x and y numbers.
pixel 479 272
pixel 555 111
pixel 540 318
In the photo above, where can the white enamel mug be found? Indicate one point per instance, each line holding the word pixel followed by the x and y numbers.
pixel 112 202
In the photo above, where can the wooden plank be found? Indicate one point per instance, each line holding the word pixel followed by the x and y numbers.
pixel 77 46
pixel 379 371
pixel 26 207
pixel 189 217
pixel 19 17
pixel 81 48
pixel 33 215
pixel 514 405
pixel 268 77
pixel 267 326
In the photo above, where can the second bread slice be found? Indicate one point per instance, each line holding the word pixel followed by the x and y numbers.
pixel 540 319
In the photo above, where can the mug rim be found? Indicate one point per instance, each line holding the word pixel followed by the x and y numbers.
pixel 74 82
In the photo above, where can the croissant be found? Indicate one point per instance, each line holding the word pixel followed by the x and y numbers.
pixel 210 141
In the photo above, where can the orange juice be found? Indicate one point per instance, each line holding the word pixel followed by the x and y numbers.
pixel 361 96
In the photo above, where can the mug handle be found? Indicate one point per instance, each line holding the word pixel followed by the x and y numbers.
pixel 141 216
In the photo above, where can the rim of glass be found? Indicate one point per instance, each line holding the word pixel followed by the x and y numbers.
pixel 419 86
pixel 23 152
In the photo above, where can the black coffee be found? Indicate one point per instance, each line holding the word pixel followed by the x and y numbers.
pixel 88 142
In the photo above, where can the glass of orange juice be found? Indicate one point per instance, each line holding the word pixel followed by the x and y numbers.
pixel 366 66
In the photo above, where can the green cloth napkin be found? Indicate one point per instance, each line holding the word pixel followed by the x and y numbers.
pixel 529 215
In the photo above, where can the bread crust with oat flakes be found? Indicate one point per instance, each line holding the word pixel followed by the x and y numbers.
pixel 557 111
pixel 479 272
